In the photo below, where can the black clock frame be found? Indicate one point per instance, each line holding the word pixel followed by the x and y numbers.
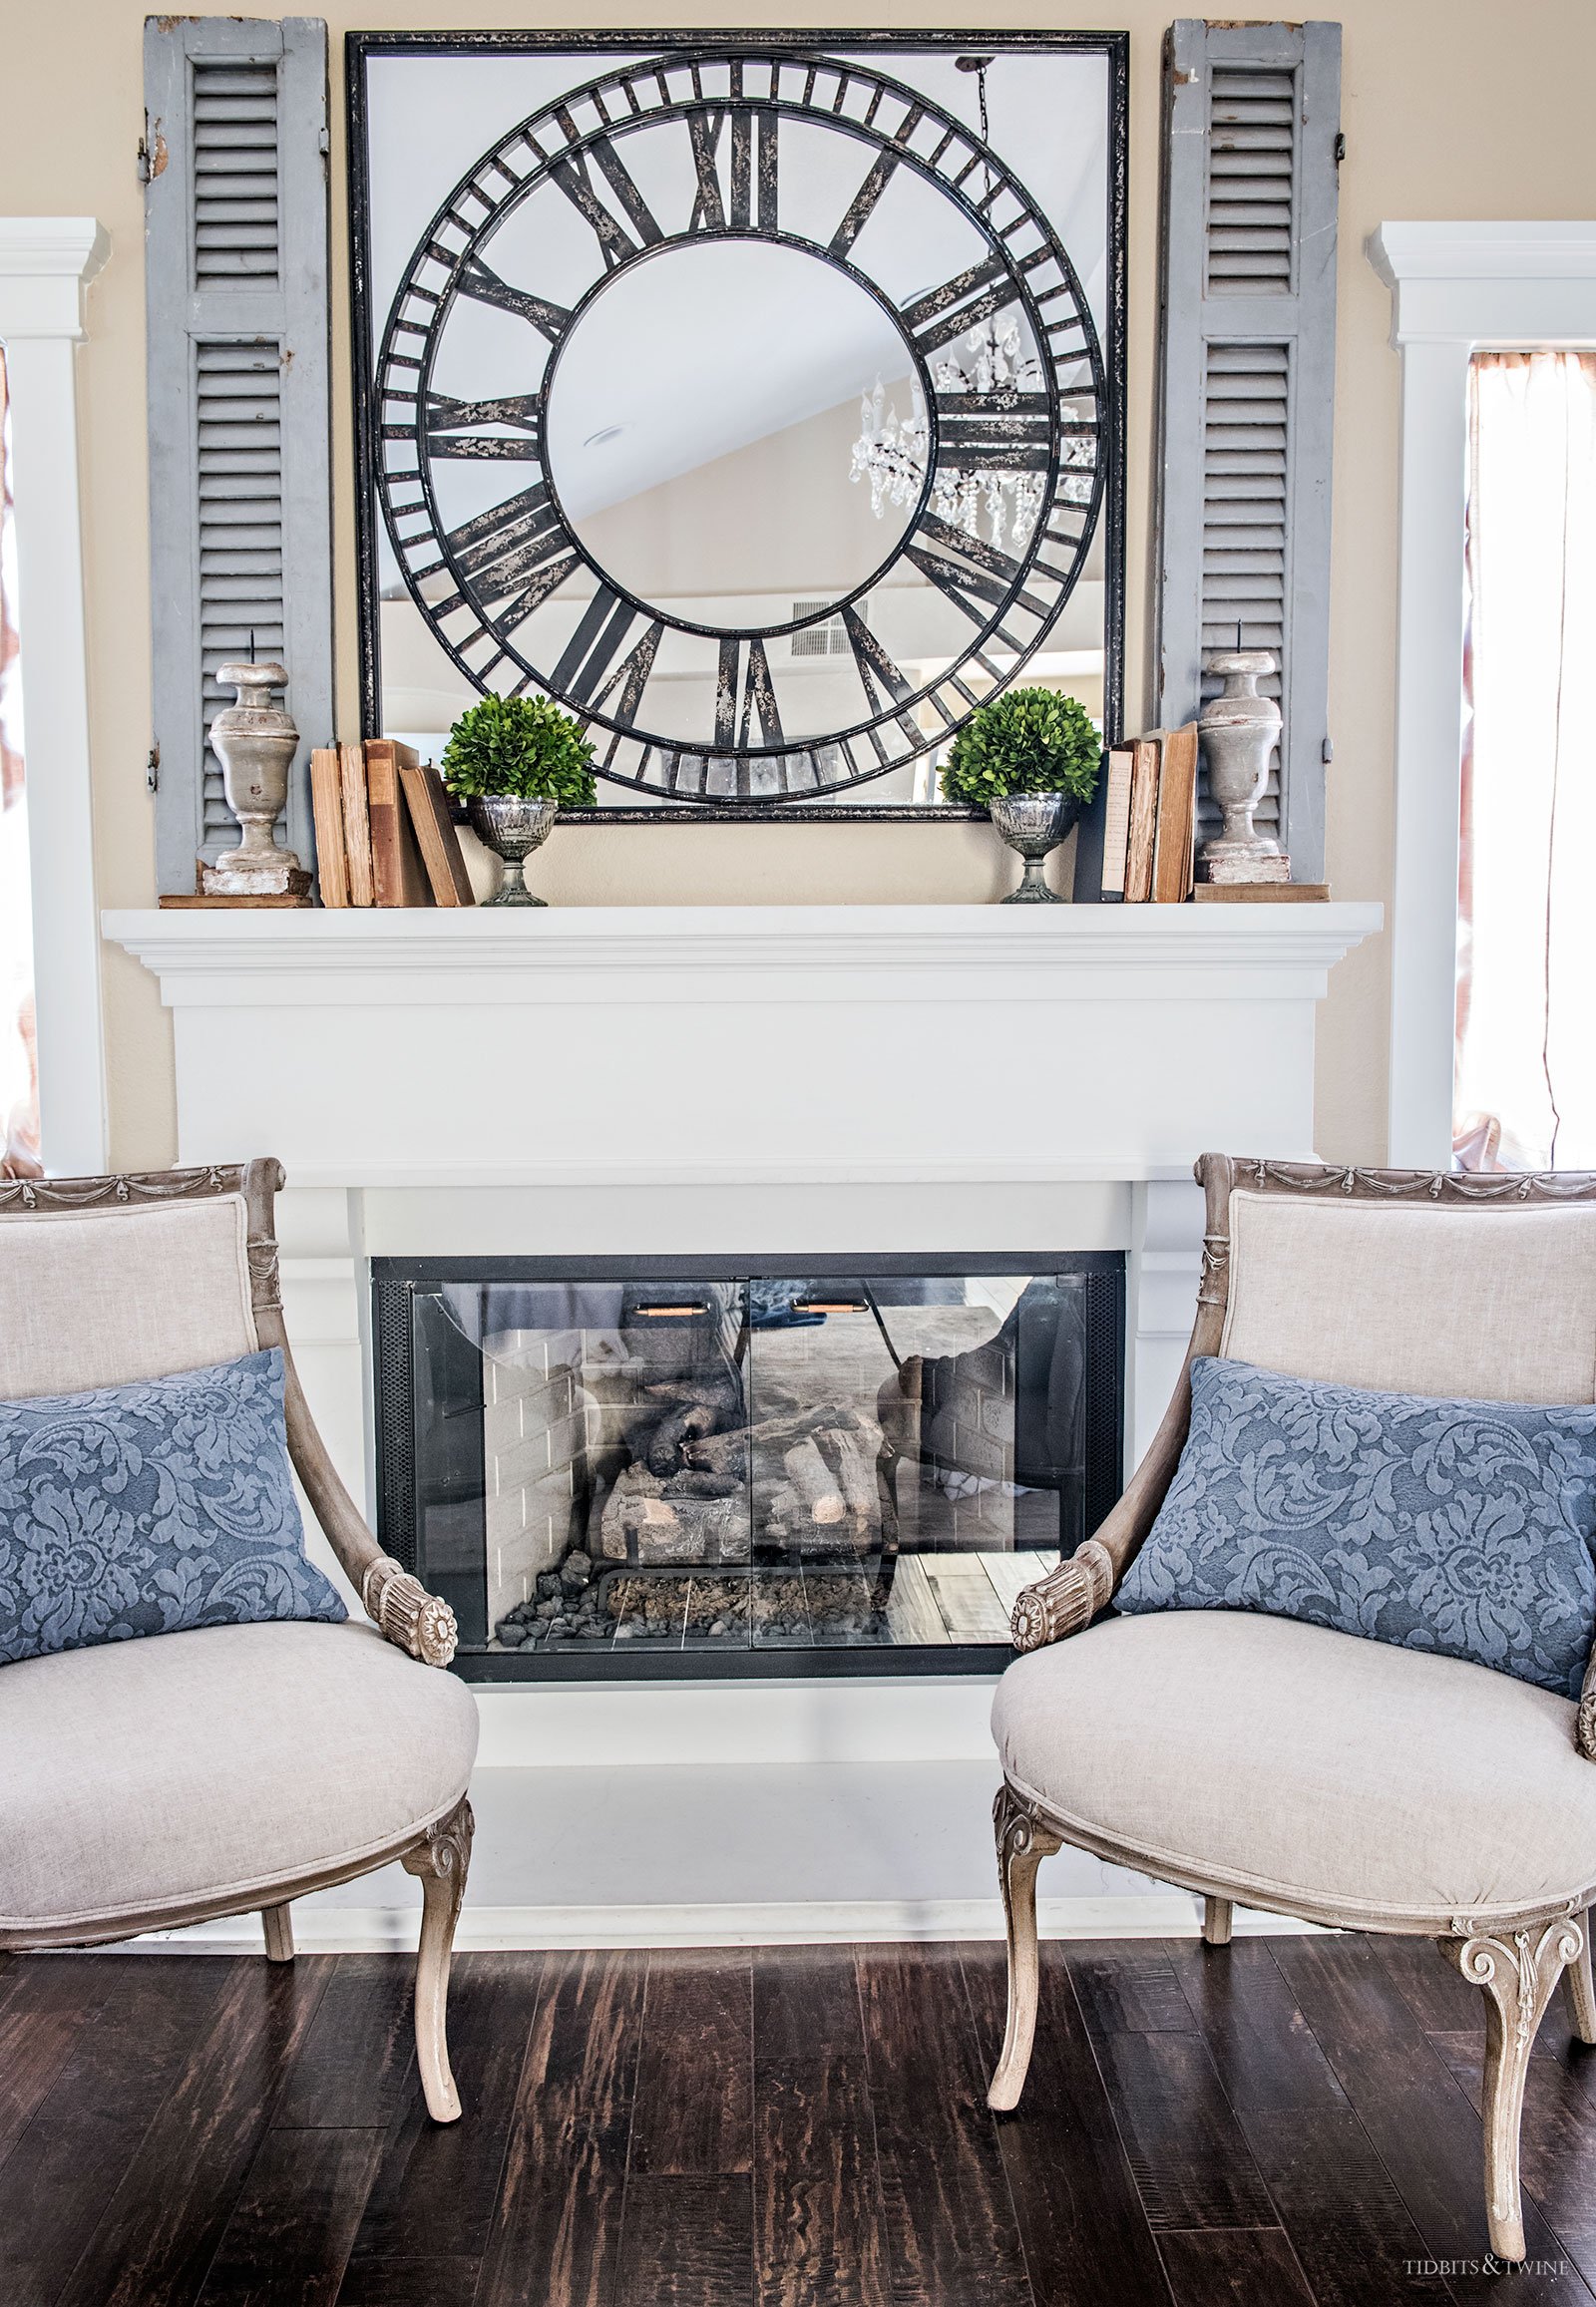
pixel 826 50
pixel 529 531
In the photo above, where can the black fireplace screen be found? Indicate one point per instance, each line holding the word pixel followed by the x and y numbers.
pixel 622 1469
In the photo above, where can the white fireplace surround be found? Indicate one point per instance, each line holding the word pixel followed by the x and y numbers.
pixel 741 1081
pixel 656 1047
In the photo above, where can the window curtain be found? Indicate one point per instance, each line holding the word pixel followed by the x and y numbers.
pixel 19 1089
pixel 1526 1081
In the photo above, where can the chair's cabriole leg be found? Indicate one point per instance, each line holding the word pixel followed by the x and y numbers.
pixel 1216 1914
pixel 1023 1841
pixel 278 1923
pixel 1581 1994
pixel 440 1859
pixel 1518 1970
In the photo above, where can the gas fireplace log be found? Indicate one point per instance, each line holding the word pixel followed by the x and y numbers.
pixel 815 1483
pixel 647 1521
pixel 668 1444
pixel 633 1487
pixel 720 1454
pixel 803 1478
pixel 724 1453
pixel 694 1482
pixel 714 1390
pixel 856 1474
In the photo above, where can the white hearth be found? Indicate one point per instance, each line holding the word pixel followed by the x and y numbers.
pixel 744 1081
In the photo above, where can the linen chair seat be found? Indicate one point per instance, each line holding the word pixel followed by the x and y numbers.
pixel 1304 1770
pixel 213 1769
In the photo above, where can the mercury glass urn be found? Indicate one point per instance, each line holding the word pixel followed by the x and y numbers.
pixel 512 829
pixel 1035 824
pixel 1237 731
pixel 256 742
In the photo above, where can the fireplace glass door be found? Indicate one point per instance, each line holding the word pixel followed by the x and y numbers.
pixel 617 1472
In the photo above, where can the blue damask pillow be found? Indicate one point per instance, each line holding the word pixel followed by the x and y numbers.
pixel 152 1508
pixel 1460 1527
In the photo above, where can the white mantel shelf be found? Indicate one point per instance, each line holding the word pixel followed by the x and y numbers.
pixel 801 952
pixel 743 1044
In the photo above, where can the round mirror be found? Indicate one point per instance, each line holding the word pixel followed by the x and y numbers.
pixel 735 431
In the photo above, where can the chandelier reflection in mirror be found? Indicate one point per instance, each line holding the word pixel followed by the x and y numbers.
pixel 893 456
pixel 754 402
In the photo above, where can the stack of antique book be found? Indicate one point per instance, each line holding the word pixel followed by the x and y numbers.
pixel 1137 845
pixel 384 835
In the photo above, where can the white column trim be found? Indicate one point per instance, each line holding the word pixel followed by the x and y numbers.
pixel 1456 287
pixel 46 263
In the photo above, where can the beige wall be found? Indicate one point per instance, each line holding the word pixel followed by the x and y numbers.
pixel 1452 108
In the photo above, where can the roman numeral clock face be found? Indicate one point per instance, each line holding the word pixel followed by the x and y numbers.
pixel 746 405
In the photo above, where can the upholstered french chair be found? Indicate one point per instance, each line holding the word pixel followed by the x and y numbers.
pixel 166 1780
pixel 1290 1767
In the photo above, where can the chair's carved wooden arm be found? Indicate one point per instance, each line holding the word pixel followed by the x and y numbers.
pixel 1585 1722
pixel 1068 1599
pixel 398 1605
pixel 1071 1597
pixel 407 1614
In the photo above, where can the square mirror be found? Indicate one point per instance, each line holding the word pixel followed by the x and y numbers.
pixel 756 400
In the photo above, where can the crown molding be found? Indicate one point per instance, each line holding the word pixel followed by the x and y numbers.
pixel 1489 282
pixel 1452 251
pixel 46 263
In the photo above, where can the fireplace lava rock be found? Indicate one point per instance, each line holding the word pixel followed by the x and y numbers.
pixel 563 1603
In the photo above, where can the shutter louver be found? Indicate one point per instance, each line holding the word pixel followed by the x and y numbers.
pixel 1246 387
pixel 240 517
pixel 238 431
pixel 1250 117
pixel 1244 524
pixel 235 219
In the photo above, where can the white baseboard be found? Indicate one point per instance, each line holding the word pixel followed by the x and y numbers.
pixel 915 1718
pixel 327 1930
pixel 751 1853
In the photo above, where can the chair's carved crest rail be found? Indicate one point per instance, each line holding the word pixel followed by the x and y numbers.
pixel 33 1195
pixel 1461 1186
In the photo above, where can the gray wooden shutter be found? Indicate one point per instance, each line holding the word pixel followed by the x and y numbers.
pixel 236 259
pixel 1246 385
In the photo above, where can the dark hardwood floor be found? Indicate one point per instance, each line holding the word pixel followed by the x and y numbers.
pixel 1281 2122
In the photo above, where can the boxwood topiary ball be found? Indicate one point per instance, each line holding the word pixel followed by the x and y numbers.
pixel 520 748
pixel 1026 741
